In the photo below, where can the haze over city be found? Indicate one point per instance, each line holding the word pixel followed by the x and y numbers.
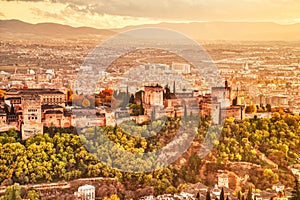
pixel 140 99
pixel 118 14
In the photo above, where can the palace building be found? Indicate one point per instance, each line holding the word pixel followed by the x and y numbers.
pixel 31 109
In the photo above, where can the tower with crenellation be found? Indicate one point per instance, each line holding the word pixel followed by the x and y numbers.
pixel 32 116
pixel 153 102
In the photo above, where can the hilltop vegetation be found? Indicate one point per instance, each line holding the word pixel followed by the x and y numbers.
pixel 277 139
pixel 62 156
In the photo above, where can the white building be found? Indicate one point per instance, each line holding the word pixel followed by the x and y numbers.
pixel 86 192
pixel 223 180
pixel 278 187
pixel 181 68
pixel 296 172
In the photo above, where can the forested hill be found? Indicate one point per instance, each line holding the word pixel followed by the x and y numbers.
pixel 60 155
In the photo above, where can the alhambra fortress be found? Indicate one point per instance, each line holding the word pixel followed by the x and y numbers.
pixel 29 110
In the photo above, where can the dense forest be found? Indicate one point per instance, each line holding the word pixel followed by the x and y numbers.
pixel 277 138
pixel 62 154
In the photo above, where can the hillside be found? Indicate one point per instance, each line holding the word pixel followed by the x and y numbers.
pixel 238 31
pixel 15 29
pixel 62 155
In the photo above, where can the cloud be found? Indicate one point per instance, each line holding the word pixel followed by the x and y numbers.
pixel 46 14
pixel 2 15
pixel 81 16
pixel 187 9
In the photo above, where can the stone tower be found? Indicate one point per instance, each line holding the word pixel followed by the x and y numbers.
pixel 153 95
pixel 153 102
pixel 32 116
pixel 223 95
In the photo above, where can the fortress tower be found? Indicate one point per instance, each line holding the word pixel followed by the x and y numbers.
pixel 32 116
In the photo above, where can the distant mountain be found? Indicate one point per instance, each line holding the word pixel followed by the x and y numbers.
pixel 197 30
pixel 23 30
pixel 232 30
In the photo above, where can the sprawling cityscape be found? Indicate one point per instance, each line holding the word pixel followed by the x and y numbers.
pixel 147 109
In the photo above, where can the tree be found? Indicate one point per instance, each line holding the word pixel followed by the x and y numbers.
pixel 249 194
pixel 69 96
pixel 2 94
pixel 270 175
pixel 207 195
pixel 153 114
pixel 33 195
pixel 222 196
pixel 198 196
pixel 12 109
pixel 185 112
pixel 251 109
pixel 171 190
pixel 141 108
pixel 240 194
pixel 86 103
pixel 13 192
pixel 174 88
pixel 296 191
pixel 131 100
pixel 112 197
pixel 168 96
pixel 269 108
pixel 227 198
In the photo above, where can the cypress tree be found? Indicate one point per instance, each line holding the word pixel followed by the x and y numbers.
pixel 131 100
pixel 296 191
pixel 198 196
pixel 167 92
pixel 208 195
pixel 185 112
pixel 249 194
pixel 240 195
pixel 174 88
pixel 12 109
pixel 141 108
pixel 222 196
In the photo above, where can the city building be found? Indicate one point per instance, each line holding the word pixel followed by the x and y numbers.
pixel 181 68
pixel 220 105
pixel 86 192
pixel 223 180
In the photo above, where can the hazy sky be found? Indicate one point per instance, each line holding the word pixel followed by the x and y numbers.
pixel 119 13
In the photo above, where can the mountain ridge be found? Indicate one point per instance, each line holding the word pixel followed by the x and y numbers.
pixel 266 31
pixel 25 30
pixel 216 30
